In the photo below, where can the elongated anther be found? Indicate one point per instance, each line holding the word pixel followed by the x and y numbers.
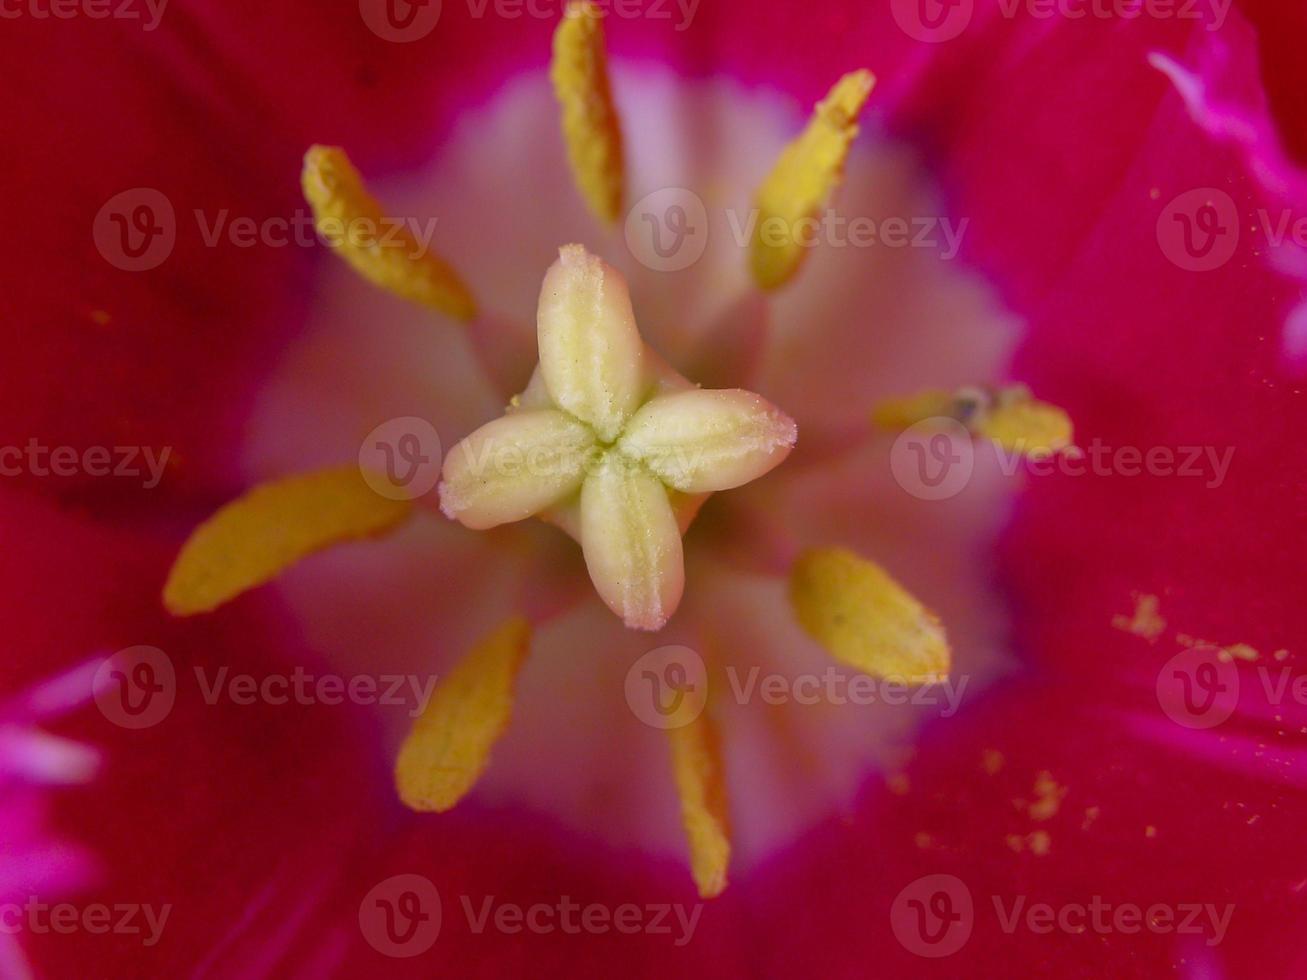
pixel 591 127
pixel 449 746
pixel 256 537
pixel 701 783
pixel 380 249
pixel 801 183
pixel 867 620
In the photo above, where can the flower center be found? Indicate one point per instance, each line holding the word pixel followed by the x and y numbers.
pixel 857 326
pixel 606 441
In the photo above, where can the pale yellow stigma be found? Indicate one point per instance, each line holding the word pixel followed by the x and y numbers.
pixel 1009 417
pixel 801 183
pixel 449 746
pixel 865 619
pixel 591 127
pixel 255 537
pixel 382 250
pixel 616 441
pixel 701 783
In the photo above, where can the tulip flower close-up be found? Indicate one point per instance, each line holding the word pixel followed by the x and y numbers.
pixel 576 488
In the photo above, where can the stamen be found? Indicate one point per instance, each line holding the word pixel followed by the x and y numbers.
pixel 449 746
pixel 591 127
pixel 1009 416
pixel 865 619
pixel 1020 424
pixel 255 537
pixel 381 250
pixel 701 783
pixel 801 183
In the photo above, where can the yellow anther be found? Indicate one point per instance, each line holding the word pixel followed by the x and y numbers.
pixel 1026 426
pixel 254 538
pixel 382 250
pixel 1008 416
pixel 701 783
pixel 865 619
pixel 449 746
pixel 801 183
pixel 591 128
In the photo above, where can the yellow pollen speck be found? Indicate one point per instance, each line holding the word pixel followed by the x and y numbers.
pixel 449 746
pixel 1048 795
pixel 1009 416
pixel 898 784
pixel 1091 814
pixel 991 760
pixel 1146 622
pixel 1039 843
pixel 1150 831
pixel 591 127
pixel 254 538
pixel 384 252
pixel 1239 651
pixel 100 318
pixel 1281 654
pixel 701 783
pixel 922 839
pixel 865 619
pixel 803 179
pixel 1025 426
